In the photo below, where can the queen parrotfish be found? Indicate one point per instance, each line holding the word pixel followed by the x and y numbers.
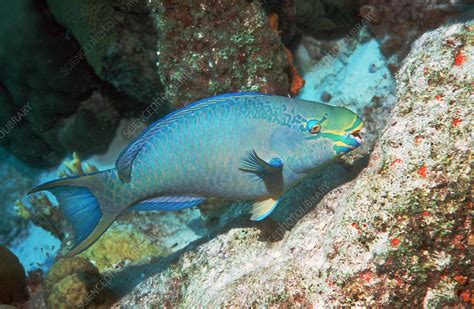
pixel 239 146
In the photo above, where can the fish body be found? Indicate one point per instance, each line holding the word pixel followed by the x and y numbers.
pixel 243 146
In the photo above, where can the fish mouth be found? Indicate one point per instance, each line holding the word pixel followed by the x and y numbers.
pixel 356 135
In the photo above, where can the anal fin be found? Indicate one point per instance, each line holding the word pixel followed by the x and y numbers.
pixel 169 203
pixel 260 210
pixel 104 223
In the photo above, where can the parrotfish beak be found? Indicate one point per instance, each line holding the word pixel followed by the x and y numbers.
pixel 355 134
pixel 351 138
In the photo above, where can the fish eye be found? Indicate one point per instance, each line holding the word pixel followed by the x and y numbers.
pixel 314 128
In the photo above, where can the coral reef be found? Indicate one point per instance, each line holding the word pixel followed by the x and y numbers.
pixel 390 229
pixel 41 211
pixel 208 47
pixel 70 282
pixel 45 113
pixel 118 39
pixel 120 246
pixel 76 167
pixel 12 278
pixel 396 235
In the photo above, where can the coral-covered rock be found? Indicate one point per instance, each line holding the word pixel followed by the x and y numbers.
pixel 66 267
pixel 70 292
pixel 12 278
pixel 397 235
pixel 208 47
pixel 396 24
pixel 118 39
pixel 71 282
pixel 122 245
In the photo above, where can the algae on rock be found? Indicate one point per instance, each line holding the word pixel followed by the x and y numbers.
pixel 212 47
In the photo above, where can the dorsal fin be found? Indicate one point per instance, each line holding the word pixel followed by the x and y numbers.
pixel 125 160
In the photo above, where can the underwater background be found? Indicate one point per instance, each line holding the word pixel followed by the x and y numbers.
pixel 389 224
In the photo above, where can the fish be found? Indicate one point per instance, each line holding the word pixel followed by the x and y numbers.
pixel 233 147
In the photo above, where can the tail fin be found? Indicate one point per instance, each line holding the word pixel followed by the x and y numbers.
pixel 79 203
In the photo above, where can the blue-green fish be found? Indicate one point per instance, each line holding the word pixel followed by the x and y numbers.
pixel 240 146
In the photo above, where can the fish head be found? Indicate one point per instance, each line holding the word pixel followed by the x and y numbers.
pixel 338 125
pixel 325 133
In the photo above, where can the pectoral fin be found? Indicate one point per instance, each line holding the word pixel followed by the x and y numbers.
pixel 260 210
pixel 252 163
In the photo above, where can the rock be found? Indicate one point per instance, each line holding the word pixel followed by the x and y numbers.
pixel 396 24
pixel 209 47
pixel 326 96
pixel 44 112
pixel 396 235
pixel 12 278
pixel 323 18
pixel 19 181
pixel 118 39
pixel 91 129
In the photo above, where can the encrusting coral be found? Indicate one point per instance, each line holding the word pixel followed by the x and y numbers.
pixel 209 47
pixel 41 212
pixel 122 245
pixel 71 282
